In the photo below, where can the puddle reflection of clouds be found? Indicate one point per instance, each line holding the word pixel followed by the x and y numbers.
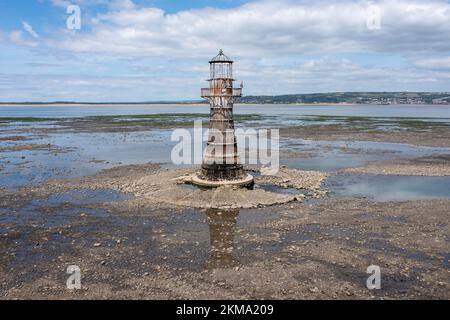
pixel 390 188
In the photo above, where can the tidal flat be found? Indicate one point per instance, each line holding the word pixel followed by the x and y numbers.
pixel 96 187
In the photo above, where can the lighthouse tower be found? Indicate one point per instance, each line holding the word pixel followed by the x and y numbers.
pixel 221 164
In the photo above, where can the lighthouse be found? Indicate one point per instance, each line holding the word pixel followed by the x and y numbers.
pixel 221 163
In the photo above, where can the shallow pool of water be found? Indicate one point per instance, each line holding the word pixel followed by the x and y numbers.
pixel 82 197
pixel 276 189
pixel 84 154
pixel 336 155
pixel 389 188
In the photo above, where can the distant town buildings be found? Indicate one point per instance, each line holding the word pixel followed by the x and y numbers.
pixel 444 100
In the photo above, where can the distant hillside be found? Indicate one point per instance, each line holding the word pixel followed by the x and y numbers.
pixel 309 98
pixel 355 97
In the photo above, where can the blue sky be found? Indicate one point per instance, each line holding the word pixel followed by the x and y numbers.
pixel 158 50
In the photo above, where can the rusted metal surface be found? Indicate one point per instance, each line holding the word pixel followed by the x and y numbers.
pixel 217 92
pixel 221 160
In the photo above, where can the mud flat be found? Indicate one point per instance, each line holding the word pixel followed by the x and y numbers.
pixel 13 138
pixel 292 251
pixel 438 165
pixel 433 137
pixel 143 232
pixel 150 244
pixel 28 146
pixel 152 186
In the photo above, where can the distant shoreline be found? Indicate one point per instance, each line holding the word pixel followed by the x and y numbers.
pixel 304 99
pixel 98 104
pixel 59 105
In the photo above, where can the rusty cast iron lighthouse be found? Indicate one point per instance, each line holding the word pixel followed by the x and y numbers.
pixel 221 164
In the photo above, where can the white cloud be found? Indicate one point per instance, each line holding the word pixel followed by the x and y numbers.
pixel 61 3
pixel 136 53
pixel 66 3
pixel 119 5
pixel 16 37
pixel 28 28
pixel 45 87
pixel 438 63
pixel 268 28
pixel 330 75
pixel 313 75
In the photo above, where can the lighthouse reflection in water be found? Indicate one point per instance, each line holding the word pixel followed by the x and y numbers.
pixel 222 225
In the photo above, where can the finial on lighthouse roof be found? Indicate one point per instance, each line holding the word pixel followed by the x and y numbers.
pixel 221 57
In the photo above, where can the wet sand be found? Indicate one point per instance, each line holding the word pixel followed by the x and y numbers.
pixel 427 166
pixel 129 245
pixel 297 252
pixel 437 137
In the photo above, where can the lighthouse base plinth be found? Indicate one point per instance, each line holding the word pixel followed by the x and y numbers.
pixel 245 181
pixel 226 171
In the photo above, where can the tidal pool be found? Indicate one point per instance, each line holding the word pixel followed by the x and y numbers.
pixel 80 154
pixel 74 153
pixel 60 209
pixel 336 155
pixel 389 188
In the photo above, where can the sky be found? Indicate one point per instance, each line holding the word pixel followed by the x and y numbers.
pixel 144 50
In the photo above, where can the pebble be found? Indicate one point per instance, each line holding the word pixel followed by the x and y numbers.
pixel 315 289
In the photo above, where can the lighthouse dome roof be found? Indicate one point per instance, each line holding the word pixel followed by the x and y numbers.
pixel 221 57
